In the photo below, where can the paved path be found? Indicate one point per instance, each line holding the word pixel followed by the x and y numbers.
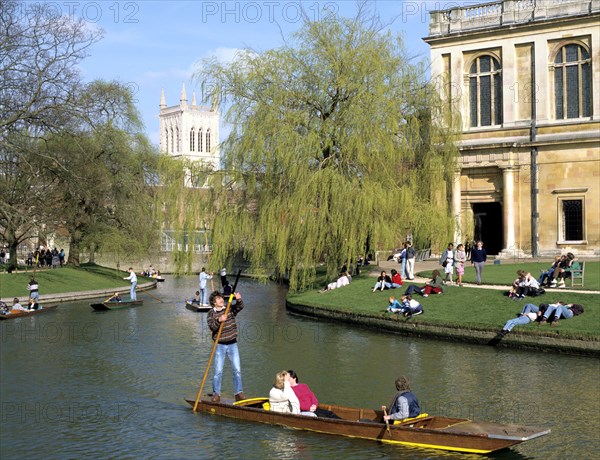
pixel 428 265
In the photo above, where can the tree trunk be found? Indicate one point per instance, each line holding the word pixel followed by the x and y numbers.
pixel 73 253
pixel 13 244
pixel 92 257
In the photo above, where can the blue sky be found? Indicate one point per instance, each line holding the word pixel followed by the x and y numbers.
pixel 157 44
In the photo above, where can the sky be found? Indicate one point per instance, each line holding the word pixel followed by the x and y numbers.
pixel 154 44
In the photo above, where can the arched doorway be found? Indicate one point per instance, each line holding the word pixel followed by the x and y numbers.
pixel 488 226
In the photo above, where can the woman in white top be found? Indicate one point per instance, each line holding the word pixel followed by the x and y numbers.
pixel 447 261
pixel 281 397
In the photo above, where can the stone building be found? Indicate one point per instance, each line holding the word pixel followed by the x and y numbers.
pixel 190 131
pixel 524 76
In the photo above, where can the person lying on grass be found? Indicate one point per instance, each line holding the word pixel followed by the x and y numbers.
pixel 434 286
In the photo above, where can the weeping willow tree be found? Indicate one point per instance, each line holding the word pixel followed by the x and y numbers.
pixel 184 204
pixel 336 144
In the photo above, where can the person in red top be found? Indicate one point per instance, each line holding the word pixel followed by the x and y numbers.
pixel 396 279
pixel 308 400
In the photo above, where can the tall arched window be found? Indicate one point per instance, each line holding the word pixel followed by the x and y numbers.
pixel 178 140
pixel 192 140
pixel 485 91
pixel 572 82
pixel 167 139
pixel 200 140
pixel 172 142
pixel 208 140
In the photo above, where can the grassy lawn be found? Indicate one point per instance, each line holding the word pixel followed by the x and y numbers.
pixel 505 274
pixel 59 280
pixel 462 306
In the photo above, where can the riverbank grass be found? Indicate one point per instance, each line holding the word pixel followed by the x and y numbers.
pixel 463 307
pixel 62 280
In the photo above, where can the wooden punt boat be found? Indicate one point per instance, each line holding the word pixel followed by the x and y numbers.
pixel 196 308
pixel 435 432
pixel 20 314
pixel 107 306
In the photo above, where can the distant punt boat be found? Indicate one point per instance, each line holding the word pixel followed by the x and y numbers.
pixel 195 307
pixel 20 314
pixel 434 432
pixel 107 306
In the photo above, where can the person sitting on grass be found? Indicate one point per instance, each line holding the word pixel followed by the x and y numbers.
pixel 512 294
pixel 383 282
pixel 561 309
pixel 525 285
pixel 396 279
pixel 395 306
pixel 434 286
pixel 410 307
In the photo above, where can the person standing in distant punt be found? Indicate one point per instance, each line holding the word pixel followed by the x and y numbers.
pixel 203 278
pixel 132 278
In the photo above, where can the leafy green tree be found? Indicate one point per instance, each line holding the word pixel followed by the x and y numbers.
pixel 336 144
pixel 102 173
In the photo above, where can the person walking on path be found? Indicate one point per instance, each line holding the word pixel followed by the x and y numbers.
pixel 203 278
pixel 132 278
pixel 33 288
pixel 411 254
pixel 447 261
pixel 478 258
pixel 227 344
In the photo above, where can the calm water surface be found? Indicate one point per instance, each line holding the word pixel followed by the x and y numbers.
pixel 78 384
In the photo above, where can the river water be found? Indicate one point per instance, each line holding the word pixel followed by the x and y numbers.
pixel 78 384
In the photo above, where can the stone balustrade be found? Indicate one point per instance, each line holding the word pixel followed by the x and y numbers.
pixel 506 12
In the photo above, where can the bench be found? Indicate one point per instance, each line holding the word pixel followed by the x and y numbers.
pixel 577 274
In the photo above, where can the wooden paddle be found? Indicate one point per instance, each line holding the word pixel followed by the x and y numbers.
pixel 387 423
pixel 216 341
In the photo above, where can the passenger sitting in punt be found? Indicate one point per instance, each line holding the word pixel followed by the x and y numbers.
pixel 33 305
pixel 4 310
pixel 196 299
pixel 115 298
pixel 281 397
pixel 309 404
pixel 404 404
pixel 17 305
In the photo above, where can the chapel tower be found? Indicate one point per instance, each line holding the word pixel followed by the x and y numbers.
pixel 189 130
